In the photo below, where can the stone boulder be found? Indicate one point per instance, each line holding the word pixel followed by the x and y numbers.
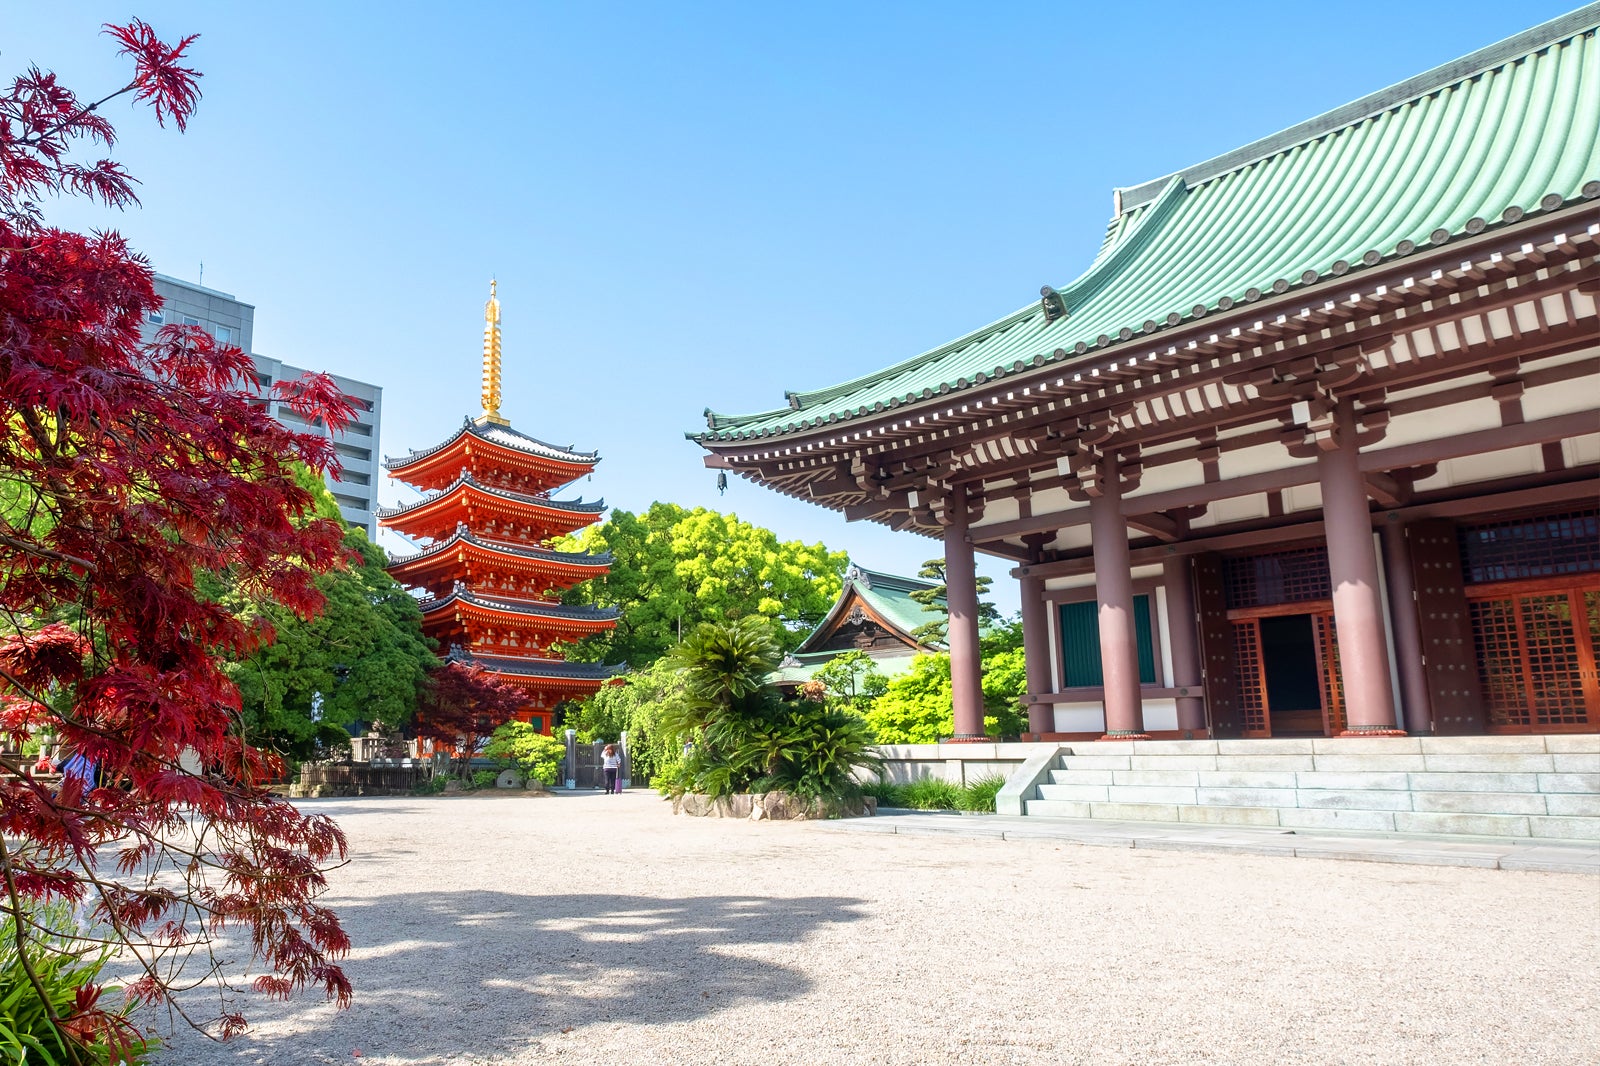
pixel 778 806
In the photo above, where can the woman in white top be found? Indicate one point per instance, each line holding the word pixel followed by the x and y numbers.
pixel 611 762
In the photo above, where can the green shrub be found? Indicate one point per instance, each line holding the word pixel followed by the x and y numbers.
pixel 64 966
pixel 485 778
pixel 932 794
pixel 887 793
pixel 432 786
pixel 979 795
pixel 536 756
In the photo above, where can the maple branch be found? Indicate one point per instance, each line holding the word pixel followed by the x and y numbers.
pixel 30 548
pixel 75 117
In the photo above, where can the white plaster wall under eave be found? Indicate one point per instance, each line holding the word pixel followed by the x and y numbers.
pixel 996 511
pixel 1440 422
pixel 1562 398
pixel 1582 450
pixel 1162 478
pixel 1513 462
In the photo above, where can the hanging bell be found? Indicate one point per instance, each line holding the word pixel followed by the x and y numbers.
pixel 722 483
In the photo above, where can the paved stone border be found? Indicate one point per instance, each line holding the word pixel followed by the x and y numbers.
pixel 1485 852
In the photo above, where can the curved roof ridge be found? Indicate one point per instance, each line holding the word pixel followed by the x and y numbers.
pixel 466 478
pixel 1357 111
pixel 463 534
pixel 798 401
pixel 547 610
pixel 523 442
pixel 1128 243
pixel 508 664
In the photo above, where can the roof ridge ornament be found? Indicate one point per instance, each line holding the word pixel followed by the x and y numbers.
pixel 491 360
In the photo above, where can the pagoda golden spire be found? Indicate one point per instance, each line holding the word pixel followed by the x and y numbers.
pixel 491 361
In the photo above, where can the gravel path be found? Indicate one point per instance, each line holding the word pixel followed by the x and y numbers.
pixel 593 929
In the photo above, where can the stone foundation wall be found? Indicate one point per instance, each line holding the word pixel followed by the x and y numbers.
pixel 781 806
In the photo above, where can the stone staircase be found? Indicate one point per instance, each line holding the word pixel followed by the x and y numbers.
pixel 1506 786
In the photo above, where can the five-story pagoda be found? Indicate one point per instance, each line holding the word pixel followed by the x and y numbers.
pixel 493 586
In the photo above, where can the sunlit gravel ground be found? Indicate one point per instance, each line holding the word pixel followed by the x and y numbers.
pixel 594 929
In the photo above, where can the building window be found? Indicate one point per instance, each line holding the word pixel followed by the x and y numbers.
pixel 190 320
pixel 1080 643
pixel 155 317
pixel 224 335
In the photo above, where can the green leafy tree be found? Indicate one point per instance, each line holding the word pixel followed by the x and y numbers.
pixel 674 569
pixel 853 680
pixel 364 659
pixel 918 707
pixel 637 706
pixel 933 601
pixel 536 755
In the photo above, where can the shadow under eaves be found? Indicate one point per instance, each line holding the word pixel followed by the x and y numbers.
pixel 449 974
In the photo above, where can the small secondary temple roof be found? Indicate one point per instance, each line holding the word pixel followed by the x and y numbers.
pixel 873 613
pixel 1461 149
pixel 886 598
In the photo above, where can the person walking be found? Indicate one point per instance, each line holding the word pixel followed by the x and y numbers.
pixel 611 763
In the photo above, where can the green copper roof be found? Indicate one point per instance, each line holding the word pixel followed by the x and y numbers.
pixel 1507 132
pixel 888 595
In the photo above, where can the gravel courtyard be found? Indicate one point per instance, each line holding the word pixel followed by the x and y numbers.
pixel 595 929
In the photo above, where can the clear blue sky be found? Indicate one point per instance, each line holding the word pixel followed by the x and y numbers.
pixel 687 205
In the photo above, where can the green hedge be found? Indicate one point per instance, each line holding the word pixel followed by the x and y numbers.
pixel 933 794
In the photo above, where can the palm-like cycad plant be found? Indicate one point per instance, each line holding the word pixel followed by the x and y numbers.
pixel 745 739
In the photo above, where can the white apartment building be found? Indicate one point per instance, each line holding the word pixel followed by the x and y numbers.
pixel 233 322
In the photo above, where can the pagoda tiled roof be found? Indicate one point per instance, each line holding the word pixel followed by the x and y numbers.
pixel 552 668
pixel 463 535
pixel 1509 132
pixel 573 506
pixel 504 436
pixel 462 594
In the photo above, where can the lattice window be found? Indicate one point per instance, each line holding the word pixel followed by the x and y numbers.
pixel 1549 644
pixel 1333 716
pixel 1292 576
pixel 1495 630
pixel 1254 721
pixel 1529 659
pixel 1518 549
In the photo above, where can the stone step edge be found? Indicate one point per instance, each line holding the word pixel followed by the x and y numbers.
pixel 1531 841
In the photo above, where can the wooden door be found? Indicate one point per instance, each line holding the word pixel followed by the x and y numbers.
pixel 1455 695
pixel 1220 677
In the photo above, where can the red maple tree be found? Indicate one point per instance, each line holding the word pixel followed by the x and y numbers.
pixel 462 706
pixel 127 469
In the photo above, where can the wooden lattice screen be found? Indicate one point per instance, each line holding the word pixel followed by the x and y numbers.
pixel 1264 579
pixel 1254 719
pixel 1536 658
pixel 1333 717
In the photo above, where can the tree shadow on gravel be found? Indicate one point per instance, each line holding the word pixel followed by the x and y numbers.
pixel 446 977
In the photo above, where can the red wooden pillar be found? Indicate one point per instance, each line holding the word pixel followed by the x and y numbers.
pixel 1353 568
pixel 1036 654
pixel 961 596
pixel 1415 701
pixel 1113 586
pixel 1182 625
